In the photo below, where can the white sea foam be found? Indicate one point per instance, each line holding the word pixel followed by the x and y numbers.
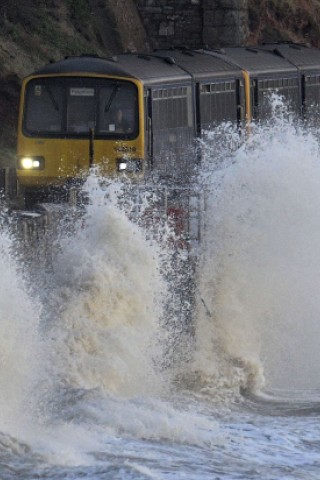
pixel 259 273
pixel 19 352
pixel 106 300
pixel 106 339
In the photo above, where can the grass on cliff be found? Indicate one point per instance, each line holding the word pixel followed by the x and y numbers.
pixel 284 20
pixel 49 29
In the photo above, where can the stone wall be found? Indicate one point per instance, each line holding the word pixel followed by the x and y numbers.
pixel 194 23
pixel 171 23
pixel 225 22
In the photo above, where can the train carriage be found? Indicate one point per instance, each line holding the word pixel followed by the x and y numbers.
pixel 268 73
pixel 307 61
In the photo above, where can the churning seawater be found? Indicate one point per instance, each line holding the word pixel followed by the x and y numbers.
pixel 86 387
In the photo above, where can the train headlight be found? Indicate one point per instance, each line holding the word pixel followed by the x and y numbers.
pixel 31 163
pixel 130 165
pixel 122 166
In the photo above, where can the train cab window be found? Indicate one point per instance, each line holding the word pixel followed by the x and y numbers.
pixel 80 109
pixel 44 109
pixel 71 107
pixel 118 109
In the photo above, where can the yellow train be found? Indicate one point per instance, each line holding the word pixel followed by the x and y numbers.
pixel 143 113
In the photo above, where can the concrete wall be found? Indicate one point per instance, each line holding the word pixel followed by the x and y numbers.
pixel 194 23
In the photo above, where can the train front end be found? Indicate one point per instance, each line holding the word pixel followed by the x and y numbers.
pixel 69 122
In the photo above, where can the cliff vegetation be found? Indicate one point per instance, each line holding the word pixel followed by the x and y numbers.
pixel 284 20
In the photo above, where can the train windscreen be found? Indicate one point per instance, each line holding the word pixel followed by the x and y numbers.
pixel 71 107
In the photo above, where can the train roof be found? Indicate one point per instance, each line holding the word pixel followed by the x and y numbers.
pixel 304 56
pixel 181 65
pixel 148 68
pixel 203 65
pixel 258 61
pixel 153 68
pixel 84 64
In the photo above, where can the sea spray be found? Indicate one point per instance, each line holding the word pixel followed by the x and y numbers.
pixel 105 301
pixel 19 353
pixel 260 261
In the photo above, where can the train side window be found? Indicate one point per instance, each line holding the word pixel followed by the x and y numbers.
pixel 206 88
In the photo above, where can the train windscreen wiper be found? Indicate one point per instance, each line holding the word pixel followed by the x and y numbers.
pixel 53 100
pixel 111 98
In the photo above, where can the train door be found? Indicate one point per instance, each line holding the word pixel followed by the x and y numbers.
pixel 311 97
pixel 220 112
pixel 172 131
pixel 218 103
pixel 287 88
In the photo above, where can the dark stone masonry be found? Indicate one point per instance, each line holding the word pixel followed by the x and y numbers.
pixel 194 23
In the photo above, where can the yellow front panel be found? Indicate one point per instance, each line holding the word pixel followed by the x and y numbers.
pixel 63 159
pixel 66 159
